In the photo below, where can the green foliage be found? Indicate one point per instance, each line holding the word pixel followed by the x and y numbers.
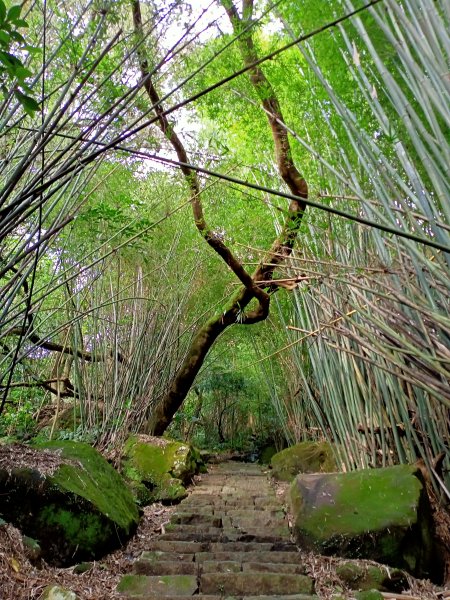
pixel 12 47
pixel 18 419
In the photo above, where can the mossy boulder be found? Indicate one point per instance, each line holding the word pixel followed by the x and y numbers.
pixel 158 468
pixel 66 496
pixel 372 577
pixel 305 457
pixel 56 592
pixel 381 514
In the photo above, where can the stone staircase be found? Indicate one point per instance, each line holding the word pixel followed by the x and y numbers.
pixel 228 539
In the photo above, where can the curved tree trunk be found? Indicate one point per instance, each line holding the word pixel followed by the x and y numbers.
pixel 281 248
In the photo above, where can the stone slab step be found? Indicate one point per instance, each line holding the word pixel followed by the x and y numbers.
pixel 255 557
pixel 233 566
pixel 240 547
pixel 138 586
pixel 224 566
pixel 192 528
pixel 178 547
pixel 218 505
pixel 163 567
pixel 196 518
pixel 265 537
pixel 255 520
pixel 158 555
pixel 213 597
pixel 192 537
pixel 254 513
pixel 245 584
pixel 281 597
pixel 260 567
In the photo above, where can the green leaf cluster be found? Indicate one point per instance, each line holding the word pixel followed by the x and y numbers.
pixel 12 68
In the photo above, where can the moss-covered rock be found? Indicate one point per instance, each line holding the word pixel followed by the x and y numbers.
pixel 372 577
pixel 56 592
pixel 68 497
pixel 158 468
pixel 305 457
pixel 380 514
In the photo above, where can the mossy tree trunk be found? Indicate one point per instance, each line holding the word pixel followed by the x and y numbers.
pixel 256 286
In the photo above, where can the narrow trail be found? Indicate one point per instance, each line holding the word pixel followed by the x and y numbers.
pixel 229 539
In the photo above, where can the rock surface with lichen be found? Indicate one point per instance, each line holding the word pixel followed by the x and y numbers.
pixel 66 496
pixel 158 468
pixel 380 514
pixel 56 592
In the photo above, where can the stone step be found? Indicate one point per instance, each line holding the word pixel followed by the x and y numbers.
pixel 179 547
pixel 228 536
pixel 192 536
pixel 253 513
pixel 233 566
pixel 214 566
pixel 162 586
pixel 218 506
pixel 192 528
pixel 228 540
pixel 254 557
pixel 163 567
pixel 158 555
pixel 261 567
pixel 245 584
pixel 196 518
pixel 258 520
pixel 260 537
pixel 240 546
pixel 221 597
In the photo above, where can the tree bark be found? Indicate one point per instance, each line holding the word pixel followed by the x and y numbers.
pixel 281 248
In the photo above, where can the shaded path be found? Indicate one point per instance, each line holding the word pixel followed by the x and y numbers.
pixel 229 538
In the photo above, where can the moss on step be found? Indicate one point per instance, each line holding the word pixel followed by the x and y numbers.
pixel 136 586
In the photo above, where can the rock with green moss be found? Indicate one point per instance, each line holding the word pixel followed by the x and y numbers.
pixel 305 457
pixel 158 468
pixel 380 514
pixel 68 497
pixel 32 550
pixel 56 592
pixel 372 577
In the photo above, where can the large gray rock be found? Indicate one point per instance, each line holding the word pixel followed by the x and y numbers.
pixel 66 496
pixel 380 514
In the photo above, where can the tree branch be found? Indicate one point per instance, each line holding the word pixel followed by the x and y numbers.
pixel 68 393
pixel 54 347
pixel 190 175
pixel 283 245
